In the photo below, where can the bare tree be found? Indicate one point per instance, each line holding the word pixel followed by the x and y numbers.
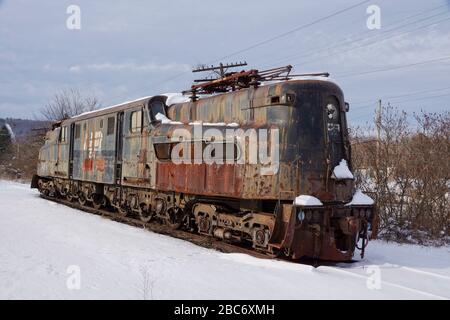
pixel 68 103
pixel 407 172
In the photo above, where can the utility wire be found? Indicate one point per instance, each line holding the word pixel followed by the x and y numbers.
pixel 399 96
pixel 392 68
pixel 364 108
pixel 158 83
pixel 382 39
pixel 258 44
pixel 351 41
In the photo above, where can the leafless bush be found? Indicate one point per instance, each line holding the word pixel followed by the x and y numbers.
pixel 407 171
pixel 68 103
pixel 19 161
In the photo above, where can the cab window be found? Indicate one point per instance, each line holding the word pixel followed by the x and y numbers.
pixel 136 121
pixel 63 134
pixel 155 108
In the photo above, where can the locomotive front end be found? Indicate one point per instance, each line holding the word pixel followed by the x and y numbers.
pixel 330 218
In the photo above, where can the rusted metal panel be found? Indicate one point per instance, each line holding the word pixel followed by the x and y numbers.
pixel 215 179
pixel 223 179
pixel 94 151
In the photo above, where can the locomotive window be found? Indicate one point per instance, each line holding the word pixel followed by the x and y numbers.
pixel 77 131
pixel 332 109
pixel 101 123
pixel 163 150
pixel 111 125
pixel 136 121
pixel 63 134
pixel 155 108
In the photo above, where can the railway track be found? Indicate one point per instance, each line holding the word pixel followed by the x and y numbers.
pixel 200 240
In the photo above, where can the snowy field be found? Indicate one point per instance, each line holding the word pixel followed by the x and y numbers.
pixel 49 251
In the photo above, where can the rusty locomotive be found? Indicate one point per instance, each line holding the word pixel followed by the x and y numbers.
pixel 121 157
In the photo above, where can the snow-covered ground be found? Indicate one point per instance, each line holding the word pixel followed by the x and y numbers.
pixel 49 251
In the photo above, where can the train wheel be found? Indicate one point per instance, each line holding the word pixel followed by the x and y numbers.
pixel 145 214
pixel 173 217
pixel 82 199
pixel 99 201
pixel 122 212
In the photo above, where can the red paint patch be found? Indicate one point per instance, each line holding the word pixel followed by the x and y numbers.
pixel 88 164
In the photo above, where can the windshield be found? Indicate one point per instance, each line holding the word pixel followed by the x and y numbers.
pixel 156 107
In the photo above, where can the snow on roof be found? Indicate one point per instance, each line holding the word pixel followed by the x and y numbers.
pixel 318 78
pixel 360 199
pixel 305 200
pixel 218 124
pixel 341 171
pixel 110 107
pixel 10 132
pixel 321 78
pixel 173 98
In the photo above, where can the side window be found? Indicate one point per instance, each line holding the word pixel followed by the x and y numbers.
pixel 77 131
pixel 111 126
pixel 63 134
pixel 136 121
pixel 155 108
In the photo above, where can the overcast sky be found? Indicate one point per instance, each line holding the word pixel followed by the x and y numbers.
pixel 128 49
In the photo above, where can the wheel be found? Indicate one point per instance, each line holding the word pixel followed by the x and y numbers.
pixel 82 199
pixel 99 201
pixel 122 211
pixel 173 217
pixel 145 214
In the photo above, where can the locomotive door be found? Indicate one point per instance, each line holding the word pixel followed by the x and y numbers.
pixel 131 153
pixel 119 148
pixel 61 166
pixel 71 148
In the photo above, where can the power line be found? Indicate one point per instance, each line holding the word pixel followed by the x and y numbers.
pixel 266 41
pixel 363 108
pixel 393 67
pixel 351 41
pixel 292 31
pixel 380 40
pixel 423 98
pixel 401 95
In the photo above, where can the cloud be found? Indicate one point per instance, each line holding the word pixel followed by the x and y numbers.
pixel 128 51
pixel 131 67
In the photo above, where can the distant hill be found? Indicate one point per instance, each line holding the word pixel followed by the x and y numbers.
pixel 22 127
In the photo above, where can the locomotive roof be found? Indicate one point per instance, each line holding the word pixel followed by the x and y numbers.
pixel 110 109
pixel 178 98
